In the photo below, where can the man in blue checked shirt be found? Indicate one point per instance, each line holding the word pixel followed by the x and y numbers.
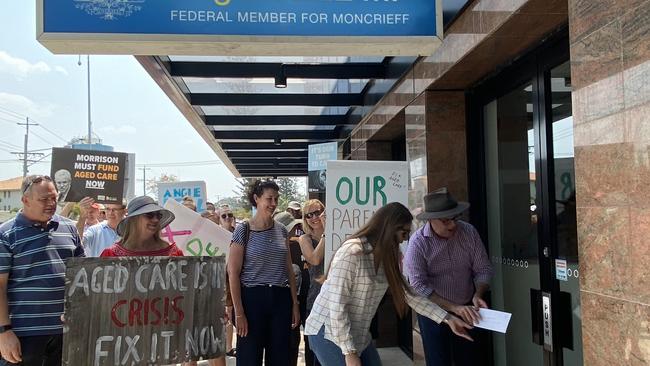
pixel 33 248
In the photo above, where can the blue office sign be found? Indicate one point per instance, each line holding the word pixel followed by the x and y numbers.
pixel 241 27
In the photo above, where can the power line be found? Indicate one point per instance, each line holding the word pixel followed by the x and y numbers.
pixel 53 134
pixel 9 144
pixel 13 113
pixel 42 139
pixel 175 164
pixel 22 117
pixel 5 120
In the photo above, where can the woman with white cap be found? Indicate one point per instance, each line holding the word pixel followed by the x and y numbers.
pixel 140 231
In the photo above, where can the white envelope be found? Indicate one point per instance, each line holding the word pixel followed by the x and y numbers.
pixel 494 320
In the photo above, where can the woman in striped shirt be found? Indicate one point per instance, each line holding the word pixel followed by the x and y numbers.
pixel 263 292
pixel 362 269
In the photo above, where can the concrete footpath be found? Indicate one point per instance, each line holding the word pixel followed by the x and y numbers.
pixel 389 357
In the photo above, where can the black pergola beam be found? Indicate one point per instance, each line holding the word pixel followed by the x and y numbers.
pixel 284 168
pixel 317 120
pixel 369 70
pixel 281 174
pixel 233 155
pixel 270 169
pixel 264 146
pixel 320 100
pixel 272 173
pixel 271 160
pixel 283 135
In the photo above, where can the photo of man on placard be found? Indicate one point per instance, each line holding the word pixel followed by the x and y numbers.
pixel 317 180
pixel 63 181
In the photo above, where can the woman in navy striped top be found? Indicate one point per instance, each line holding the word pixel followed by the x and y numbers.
pixel 263 294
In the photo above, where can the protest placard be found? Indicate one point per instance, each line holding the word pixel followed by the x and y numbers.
pixel 177 190
pixel 195 235
pixel 355 190
pixel 143 310
pixel 88 173
pixel 318 156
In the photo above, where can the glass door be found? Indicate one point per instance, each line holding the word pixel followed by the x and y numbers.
pixel 564 233
pixel 513 220
pixel 529 216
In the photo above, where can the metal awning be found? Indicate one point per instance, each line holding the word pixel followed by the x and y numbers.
pixel 260 114
pixel 263 112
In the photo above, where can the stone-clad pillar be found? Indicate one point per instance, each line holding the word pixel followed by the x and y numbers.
pixel 437 154
pixel 610 67
pixel 436 145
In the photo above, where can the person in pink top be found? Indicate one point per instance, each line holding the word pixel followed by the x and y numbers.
pixel 140 231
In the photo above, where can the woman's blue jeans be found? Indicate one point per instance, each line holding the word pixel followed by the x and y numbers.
pixel 329 354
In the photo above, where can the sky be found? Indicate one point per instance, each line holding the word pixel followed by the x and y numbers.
pixel 129 111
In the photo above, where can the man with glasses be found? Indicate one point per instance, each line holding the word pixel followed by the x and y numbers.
pixel 101 235
pixel 33 249
pixel 446 261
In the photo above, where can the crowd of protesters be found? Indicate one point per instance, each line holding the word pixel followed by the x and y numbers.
pixel 276 276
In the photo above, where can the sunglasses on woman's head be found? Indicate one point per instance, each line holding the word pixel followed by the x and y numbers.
pixel 151 215
pixel 313 214
pixel 223 216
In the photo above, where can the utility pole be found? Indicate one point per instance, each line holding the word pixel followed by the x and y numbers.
pixel 90 124
pixel 144 179
pixel 26 154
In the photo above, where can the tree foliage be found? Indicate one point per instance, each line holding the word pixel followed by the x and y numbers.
pixel 242 192
pixel 152 185
pixel 290 190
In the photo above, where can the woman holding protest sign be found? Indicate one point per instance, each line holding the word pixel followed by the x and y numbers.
pixel 140 231
pixel 263 292
pixel 362 269
pixel 312 245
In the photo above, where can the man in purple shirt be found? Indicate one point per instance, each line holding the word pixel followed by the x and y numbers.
pixel 446 261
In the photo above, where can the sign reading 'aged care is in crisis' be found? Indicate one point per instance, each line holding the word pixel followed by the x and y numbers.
pixel 143 310
pixel 244 27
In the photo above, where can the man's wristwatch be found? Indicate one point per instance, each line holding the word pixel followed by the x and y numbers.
pixel 4 328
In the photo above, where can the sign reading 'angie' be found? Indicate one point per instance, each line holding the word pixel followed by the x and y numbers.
pixel 72 19
pixel 143 310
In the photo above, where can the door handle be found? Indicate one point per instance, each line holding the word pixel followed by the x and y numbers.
pixel 535 316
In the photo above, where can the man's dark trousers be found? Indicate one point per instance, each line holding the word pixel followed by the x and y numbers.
pixel 443 348
pixel 39 351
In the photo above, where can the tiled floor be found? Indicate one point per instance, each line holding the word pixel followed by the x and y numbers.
pixel 389 357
